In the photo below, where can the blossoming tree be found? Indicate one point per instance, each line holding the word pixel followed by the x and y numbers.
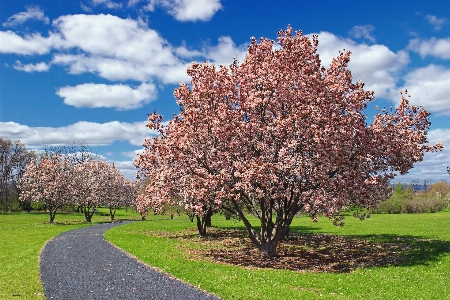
pixel 279 135
pixel 48 180
pixel 87 182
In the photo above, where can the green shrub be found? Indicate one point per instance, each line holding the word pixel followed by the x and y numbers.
pixel 38 206
pixel 392 205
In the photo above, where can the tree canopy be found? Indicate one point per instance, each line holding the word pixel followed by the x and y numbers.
pixel 278 135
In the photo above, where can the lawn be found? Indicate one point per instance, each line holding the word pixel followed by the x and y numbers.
pixel 173 246
pixel 423 239
pixel 22 236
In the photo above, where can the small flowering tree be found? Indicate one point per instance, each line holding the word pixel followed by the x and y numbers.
pixel 142 205
pixel 279 135
pixel 88 186
pixel 48 180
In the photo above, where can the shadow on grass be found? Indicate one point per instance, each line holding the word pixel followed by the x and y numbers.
pixel 315 252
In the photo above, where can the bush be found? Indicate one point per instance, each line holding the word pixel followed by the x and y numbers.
pixel 422 205
pixel 404 200
pixel 392 205
pixel 38 206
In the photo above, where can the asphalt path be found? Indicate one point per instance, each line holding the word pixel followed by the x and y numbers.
pixel 81 264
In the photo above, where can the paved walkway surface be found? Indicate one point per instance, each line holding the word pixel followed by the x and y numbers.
pixel 81 264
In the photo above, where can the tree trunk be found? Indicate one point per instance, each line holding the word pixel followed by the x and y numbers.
pixel 52 216
pixel 88 214
pixel 112 213
pixel 201 225
pixel 269 248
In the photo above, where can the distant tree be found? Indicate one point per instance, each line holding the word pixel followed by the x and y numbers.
pixel 14 158
pixel 280 135
pixel 76 153
pixel 142 206
pixel 85 187
pixel 50 181
pixel 118 191
pixel 440 190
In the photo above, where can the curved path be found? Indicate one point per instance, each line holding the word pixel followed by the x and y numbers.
pixel 81 264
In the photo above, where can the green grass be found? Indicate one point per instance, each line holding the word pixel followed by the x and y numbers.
pixel 22 236
pixel 425 276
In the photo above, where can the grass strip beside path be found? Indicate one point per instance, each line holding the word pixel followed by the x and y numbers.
pixel 22 236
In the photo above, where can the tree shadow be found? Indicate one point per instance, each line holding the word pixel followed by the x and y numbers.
pixel 318 252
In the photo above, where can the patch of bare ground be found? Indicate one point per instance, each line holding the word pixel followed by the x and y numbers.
pixel 301 252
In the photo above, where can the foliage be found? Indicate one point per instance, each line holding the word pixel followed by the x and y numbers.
pixel 405 200
pixel 13 159
pixel 276 136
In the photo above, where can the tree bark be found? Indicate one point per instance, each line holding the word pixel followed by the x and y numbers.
pixel 201 225
pixel 112 213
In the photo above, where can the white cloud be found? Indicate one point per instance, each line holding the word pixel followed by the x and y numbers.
pixel 186 10
pixel 224 52
pixel 30 68
pixel 375 65
pixel 433 165
pixel 32 13
pixel 435 21
pixel 429 86
pixel 133 3
pixel 33 44
pixel 94 134
pixel 106 3
pixel 127 168
pixel 184 52
pixel 133 52
pixel 434 47
pixel 117 96
pixel 363 31
pixel 85 8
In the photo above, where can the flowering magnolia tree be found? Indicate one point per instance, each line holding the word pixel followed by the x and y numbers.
pixel 89 190
pixel 279 135
pixel 121 192
pixel 61 178
pixel 142 205
pixel 50 181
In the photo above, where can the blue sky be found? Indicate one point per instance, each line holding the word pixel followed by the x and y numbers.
pixel 91 70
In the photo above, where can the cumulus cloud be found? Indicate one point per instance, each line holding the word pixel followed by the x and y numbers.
pixel 117 96
pixel 363 31
pixel 429 86
pixel 432 47
pixel 32 13
pixel 30 68
pixel 433 165
pixel 224 52
pixel 435 21
pixel 376 65
pixel 94 134
pixel 133 52
pixel 187 10
pixel 11 42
